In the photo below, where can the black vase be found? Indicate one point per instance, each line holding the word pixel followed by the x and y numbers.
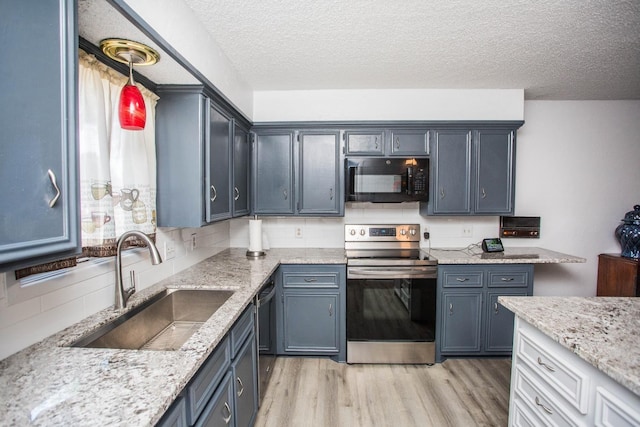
pixel 628 234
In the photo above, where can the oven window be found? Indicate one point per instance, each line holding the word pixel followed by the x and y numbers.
pixel 378 183
pixel 391 309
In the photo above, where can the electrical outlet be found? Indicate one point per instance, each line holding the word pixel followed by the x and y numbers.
pixel 298 232
pixel 194 242
pixel 467 231
pixel 169 250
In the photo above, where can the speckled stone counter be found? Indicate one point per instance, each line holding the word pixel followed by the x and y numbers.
pixel 51 384
pixel 523 255
pixel 603 331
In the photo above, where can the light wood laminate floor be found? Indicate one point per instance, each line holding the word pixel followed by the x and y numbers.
pixel 321 392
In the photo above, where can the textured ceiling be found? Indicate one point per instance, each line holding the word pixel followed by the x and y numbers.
pixel 553 49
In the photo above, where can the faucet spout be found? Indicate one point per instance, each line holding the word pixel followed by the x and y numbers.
pixel 122 295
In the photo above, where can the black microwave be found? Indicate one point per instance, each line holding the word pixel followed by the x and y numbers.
pixel 386 180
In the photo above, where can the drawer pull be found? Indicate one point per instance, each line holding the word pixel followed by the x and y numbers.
pixel 545 408
pixel 462 279
pixel 507 279
pixel 310 279
pixel 549 368
pixel 241 390
pixel 227 417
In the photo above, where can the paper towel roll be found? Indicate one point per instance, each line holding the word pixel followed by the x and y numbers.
pixel 255 235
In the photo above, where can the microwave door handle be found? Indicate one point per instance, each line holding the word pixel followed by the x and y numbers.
pixel 409 181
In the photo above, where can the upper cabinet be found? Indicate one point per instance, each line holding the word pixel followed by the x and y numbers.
pixel 202 155
pixel 297 173
pixel 472 172
pixel 401 141
pixel 38 154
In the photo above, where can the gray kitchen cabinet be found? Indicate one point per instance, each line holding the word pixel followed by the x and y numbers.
pixel 364 142
pixel 194 150
pixel 470 320
pixel 472 172
pixel 409 142
pixel 272 178
pixel 320 184
pixel 241 170
pixel 245 385
pixel 38 155
pixel 311 314
pixel 297 173
pixel 219 411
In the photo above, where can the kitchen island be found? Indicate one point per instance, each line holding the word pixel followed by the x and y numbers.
pixel 575 358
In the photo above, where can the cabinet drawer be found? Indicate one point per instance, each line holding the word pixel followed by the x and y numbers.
pixel 540 400
pixel 305 277
pixel 508 279
pixel 612 411
pixel 241 330
pixel 571 383
pixel 207 379
pixel 454 279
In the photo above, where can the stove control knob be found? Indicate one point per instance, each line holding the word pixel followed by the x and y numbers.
pixel 412 231
pixel 403 232
pixel 362 231
pixel 352 232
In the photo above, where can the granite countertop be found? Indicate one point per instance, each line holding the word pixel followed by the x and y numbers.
pixel 604 331
pixel 51 384
pixel 522 255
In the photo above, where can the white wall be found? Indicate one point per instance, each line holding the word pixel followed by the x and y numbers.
pixel 388 104
pixel 29 314
pixel 577 167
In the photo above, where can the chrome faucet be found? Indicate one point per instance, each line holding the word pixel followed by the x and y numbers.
pixel 122 295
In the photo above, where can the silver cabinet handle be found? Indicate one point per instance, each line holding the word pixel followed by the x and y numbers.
pixel 376 142
pixel 227 417
pixel 330 310
pixel 484 194
pixel 52 177
pixel 495 307
pixel 237 193
pixel 507 279
pixel 549 368
pixel 286 195
pixel 214 194
pixel 239 392
pixel 462 279
pixel 331 193
pixel 310 279
pixel 450 308
pixel 441 193
pixel 397 142
pixel 546 408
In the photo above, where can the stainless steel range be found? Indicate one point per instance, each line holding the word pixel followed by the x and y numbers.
pixel 391 295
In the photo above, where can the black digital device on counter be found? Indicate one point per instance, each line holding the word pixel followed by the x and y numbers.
pixel 492 245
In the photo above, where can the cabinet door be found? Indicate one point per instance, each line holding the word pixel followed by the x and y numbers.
pixel 364 142
pixel 461 322
pixel 451 172
pixel 494 172
pixel 499 322
pixel 240 171
pixel 273 174
pixel 245 384
pixel 218 166
pixel 408 142
pixel 219 411
pixel 39 130
pixel 320 171
pixel 311 322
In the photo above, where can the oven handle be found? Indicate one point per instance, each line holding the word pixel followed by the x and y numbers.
pixel 392 273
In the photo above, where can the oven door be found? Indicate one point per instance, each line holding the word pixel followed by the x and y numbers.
pixel 391 314
pixel 386 180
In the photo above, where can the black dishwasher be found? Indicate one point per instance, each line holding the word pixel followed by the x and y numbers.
pixel 266 335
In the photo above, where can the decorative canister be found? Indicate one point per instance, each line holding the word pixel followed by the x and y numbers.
pixel 628 233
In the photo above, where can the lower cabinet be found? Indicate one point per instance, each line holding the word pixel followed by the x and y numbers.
pixel 470 320
pixel 311 310
pixel 550 385
pixel 224 392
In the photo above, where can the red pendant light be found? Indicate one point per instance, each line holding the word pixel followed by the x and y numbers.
pixel 131 109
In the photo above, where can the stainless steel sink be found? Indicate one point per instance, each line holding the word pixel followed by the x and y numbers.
pixel 165 322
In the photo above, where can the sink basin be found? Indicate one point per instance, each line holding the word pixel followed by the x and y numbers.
pixel 164 322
